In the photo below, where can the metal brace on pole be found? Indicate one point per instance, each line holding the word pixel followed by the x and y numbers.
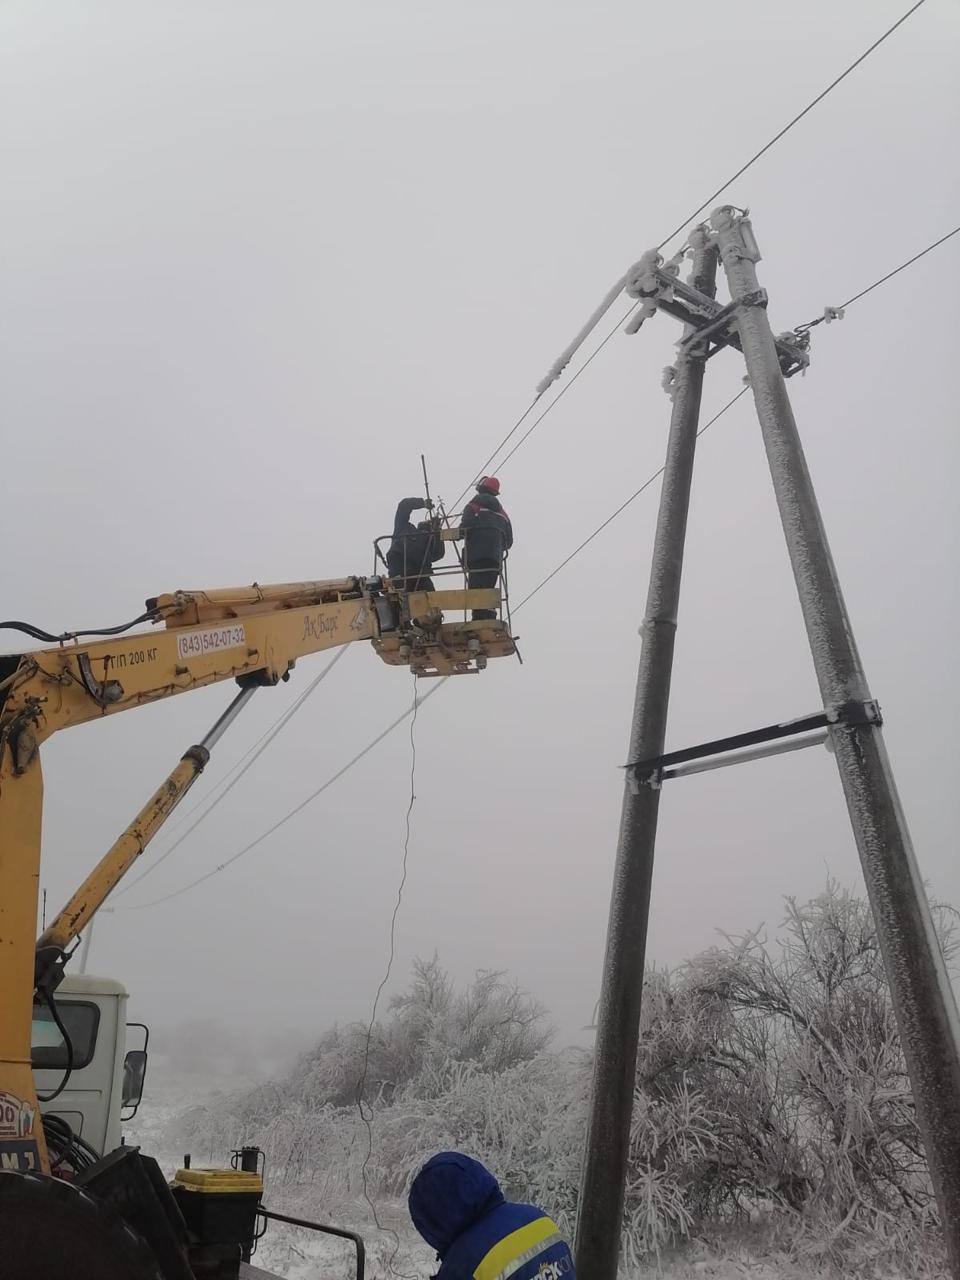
pixel 919 983
pixel 608 1136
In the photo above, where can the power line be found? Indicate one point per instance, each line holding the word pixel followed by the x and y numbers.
pixel 530 430
pixel 527 598
pixel 787 127
pixel 612 294
pixel 248 848
pixel 834 312
pixel 516 427
pixel 411 710
pixel 279 725
pixel 623 506
pixel 566 387
pixel 187 814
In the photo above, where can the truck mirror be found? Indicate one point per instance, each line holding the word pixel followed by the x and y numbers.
pixel 134 1074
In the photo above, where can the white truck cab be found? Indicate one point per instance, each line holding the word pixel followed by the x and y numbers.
pixel 106 1083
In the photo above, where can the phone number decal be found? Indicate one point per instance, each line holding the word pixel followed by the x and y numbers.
pixel 195 644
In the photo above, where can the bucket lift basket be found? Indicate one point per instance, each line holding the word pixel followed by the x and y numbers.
pixel 432 632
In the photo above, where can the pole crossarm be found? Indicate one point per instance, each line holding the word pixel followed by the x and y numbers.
pixel 714 324
pixel 653 770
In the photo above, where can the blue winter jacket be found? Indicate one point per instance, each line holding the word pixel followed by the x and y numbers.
pixel 457 1206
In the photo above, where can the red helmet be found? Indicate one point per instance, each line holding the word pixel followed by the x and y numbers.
pixel 489 484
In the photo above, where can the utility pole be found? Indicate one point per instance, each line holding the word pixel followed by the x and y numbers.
pixel 849 720
pixel 608 1137
pixel 920 986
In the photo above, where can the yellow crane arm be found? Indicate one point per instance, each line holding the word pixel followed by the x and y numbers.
pixel 254 635
pixel 120 857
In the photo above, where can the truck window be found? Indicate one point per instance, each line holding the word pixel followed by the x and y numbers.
pixel 47 1049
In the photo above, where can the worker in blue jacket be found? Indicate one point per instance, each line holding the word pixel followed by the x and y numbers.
pixel 457 1206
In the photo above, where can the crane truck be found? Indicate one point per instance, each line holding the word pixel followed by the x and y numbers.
pixel 73 1200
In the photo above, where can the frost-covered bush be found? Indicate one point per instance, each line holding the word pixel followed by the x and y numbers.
pixel 769 1077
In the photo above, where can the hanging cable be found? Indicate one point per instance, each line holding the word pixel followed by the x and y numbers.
pixel 265 742
pixel 362 1082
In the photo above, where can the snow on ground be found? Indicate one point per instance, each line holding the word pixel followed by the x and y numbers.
pixel 396 1252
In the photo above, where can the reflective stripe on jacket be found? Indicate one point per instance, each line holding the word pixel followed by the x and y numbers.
pixel 458 1207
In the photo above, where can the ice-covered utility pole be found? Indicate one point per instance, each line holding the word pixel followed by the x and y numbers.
pixel 922 996
pixel 608 1137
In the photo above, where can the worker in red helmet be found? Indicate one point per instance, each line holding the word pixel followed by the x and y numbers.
pixel 487 537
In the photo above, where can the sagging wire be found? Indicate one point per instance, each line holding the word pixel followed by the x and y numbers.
pixel 264 835
pixel 279 725
pixel 362 1082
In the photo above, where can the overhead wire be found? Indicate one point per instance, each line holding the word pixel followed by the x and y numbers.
pixel 623 506
pixel 281 822
pixel 571 349
pixel 411 710
pixel 790 124
pixel 730 403
pixel 832 312
pixel 279 725
pixel 529 432
pixel 553 573
pixel 510 434
pixel 566 387
pixel 539 587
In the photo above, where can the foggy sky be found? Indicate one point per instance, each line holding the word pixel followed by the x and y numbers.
pixel 257 257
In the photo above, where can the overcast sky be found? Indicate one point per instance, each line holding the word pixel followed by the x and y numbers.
pixel 258 256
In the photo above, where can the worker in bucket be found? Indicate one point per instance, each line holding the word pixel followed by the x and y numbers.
pixel 457 1206
pixel 414 548
pixel 487 537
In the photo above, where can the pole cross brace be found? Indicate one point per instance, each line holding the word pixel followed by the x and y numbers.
pixel 716 323
pixel 808 731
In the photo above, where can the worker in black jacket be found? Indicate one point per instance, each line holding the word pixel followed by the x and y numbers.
pixel 414 548
pixel 487 536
